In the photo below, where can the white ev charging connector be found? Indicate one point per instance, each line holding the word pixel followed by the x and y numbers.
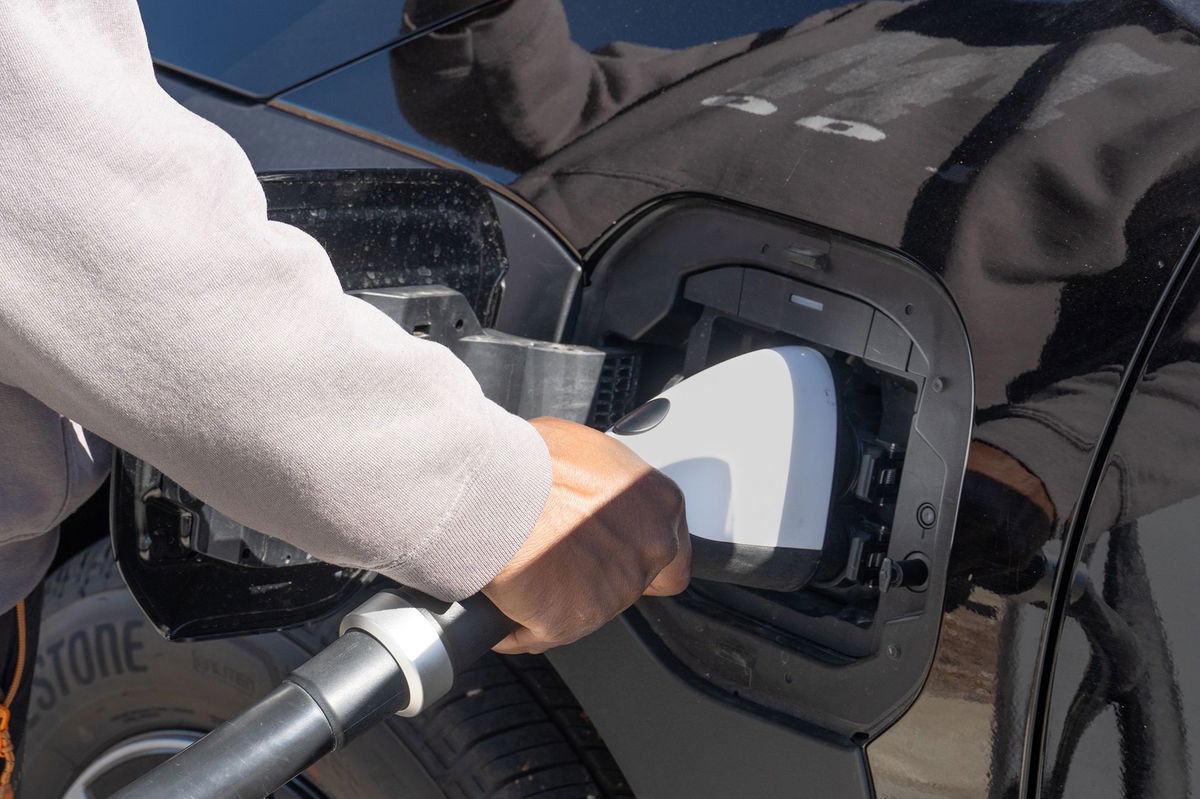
pixel 752 443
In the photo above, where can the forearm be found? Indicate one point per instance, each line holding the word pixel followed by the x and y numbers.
pixel 146 296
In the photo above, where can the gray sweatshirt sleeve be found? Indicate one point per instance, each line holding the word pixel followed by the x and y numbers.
pixel 1053 435
pixel 144 294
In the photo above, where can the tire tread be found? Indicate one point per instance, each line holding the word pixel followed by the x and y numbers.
pixel 510 729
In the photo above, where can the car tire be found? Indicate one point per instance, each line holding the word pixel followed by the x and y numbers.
pixel 106 682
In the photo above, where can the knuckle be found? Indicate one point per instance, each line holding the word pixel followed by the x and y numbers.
pixel 594 621
pixel 678 583
pixel 544 632
pixel 673 494
pixel 669 492
pixel 663 549
pixel 672 501
pixel 555 633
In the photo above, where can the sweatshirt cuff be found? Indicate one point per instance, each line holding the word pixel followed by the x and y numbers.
pixel 1057 458
pixel 489 521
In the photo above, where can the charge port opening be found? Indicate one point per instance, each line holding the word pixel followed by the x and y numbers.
pixel 833 617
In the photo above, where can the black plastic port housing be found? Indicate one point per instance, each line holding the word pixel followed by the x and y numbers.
pixel 876 410
pixel 694 281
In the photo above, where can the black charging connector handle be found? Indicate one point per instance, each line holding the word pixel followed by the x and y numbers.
pixel 471 628
pixel 342 691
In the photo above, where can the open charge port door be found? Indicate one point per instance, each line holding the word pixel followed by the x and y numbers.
pixel 849 650
pixel 426 248
pixel 870 548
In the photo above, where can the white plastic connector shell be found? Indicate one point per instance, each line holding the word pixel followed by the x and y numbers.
pixel 414 640
pixel 751 442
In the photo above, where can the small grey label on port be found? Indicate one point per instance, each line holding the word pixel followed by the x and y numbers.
pixel 805 302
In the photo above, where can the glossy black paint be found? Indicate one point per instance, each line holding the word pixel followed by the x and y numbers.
pixel 268 46
pixel 362 96
pixel 1125 685
pixel 687 742
pixel 1039 159
pixel 276 141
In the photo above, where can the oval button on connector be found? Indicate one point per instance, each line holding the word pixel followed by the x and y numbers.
pixel 644 418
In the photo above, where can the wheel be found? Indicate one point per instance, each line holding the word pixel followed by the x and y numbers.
pixel 111 698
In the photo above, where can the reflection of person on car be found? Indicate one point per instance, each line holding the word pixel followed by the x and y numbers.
pixel 891 121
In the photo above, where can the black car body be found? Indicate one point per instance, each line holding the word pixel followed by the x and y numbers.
pixel 1000 199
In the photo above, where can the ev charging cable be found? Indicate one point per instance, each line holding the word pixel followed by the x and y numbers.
pixel 398 653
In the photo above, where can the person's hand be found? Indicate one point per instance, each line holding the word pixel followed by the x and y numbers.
pixel 1005 469
pixel 612 530
pixel 1005 518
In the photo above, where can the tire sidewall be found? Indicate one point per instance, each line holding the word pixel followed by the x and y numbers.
pixel 103 674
